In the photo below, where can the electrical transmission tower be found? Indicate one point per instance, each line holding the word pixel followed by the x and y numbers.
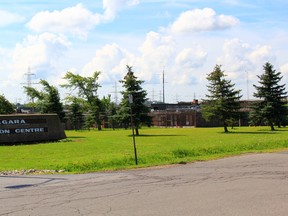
pixel 29 82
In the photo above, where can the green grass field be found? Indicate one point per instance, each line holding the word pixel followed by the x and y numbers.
pixel 88 151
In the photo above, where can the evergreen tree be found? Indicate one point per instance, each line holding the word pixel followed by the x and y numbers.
pixel 109 111
pixel 5 106
pixel 113 115
pixel 48 100
pixel 271 108
pixel 223 103
pixel 76 113
pixel 138 108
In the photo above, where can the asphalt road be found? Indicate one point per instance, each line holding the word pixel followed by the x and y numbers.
pixel 255 184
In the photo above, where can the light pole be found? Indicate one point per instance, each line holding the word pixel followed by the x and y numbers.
pixel 130 97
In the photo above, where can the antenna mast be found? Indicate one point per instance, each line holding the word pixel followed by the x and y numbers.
pixel 163 79
pixel 247 83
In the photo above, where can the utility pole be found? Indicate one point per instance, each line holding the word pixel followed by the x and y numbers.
pixel 177 98
pixel 163 79
pixel 247 83
pixel 130 97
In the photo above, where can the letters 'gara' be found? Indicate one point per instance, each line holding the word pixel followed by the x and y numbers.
pixel 12 121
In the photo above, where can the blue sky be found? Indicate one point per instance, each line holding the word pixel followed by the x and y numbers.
pixel 185 38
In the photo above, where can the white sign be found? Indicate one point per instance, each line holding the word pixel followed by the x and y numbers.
pixel 12 121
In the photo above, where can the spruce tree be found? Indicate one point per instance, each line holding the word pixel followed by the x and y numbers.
pixel 140 111
pixel 76 113
pixel 271 105
pixel 223 102
pixel 5 106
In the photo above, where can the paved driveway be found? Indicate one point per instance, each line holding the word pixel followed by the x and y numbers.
pixel 255 184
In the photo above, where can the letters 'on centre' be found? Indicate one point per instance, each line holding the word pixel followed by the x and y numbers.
pixel 30 128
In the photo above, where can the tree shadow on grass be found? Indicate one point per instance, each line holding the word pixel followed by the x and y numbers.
pixel 158 135
pixel 260 132
pixel 76 137
pixel 268 132
pixel 48 142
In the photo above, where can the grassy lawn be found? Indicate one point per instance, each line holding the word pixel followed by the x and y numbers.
pixel 87 151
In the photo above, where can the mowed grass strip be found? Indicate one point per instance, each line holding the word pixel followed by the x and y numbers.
pixel 88 151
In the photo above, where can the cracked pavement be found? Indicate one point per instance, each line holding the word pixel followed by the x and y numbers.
pixel 254 184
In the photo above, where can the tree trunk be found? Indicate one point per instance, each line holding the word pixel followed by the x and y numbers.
pixel 98 121
pixel 99 127
pixel 136 131
pixel 279 125
pixel 271 126
pixel 113 125
pixel 225 127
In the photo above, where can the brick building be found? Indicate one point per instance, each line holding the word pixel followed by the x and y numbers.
pixel 188 114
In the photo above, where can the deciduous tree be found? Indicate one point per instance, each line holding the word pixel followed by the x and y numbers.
pixel 87 88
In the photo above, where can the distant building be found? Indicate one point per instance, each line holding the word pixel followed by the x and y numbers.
pixel 182 114
pixel 24 110
pixel 188 114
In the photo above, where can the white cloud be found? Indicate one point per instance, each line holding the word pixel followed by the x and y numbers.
pixel 284 69
pixel 40 52
pixel 236 56
pixel 110 60
pixel 154 40
pixel 183 78
pixel 8 18
pixel 2 52
pixel 5 56
pixel 239 57
pixel 262 54
pixel 202 20
pixel 191 57
pixel 76 20
pixel 182 66
pixel 112 7
pixel 157 52
pixel 186 68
